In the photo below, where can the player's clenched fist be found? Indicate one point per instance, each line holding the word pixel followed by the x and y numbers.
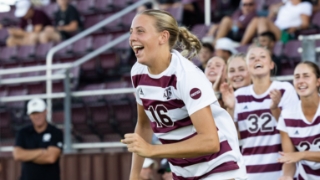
pixel 138 145
pixel 275 96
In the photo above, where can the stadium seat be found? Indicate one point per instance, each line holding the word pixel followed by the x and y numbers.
pixel 115 85
pixel 16 90
pixel 6 130
pixel 120 4
pixel 104 6
pixel 114 26
pixel 92 20
pixel 26 52
pixel 278 48
pixel 107 62
pixel 58 117
pixel 92 87
pixel 101 40
pixel 30 64
pixel 200 30
pixel 3 36
pixel 125 115
pixel 127 19
pixel 82 46
pixel 50 9
pixel 42 50
pixel 86 7
pixel 79 116
pixel 290 50
pixel 36 88
pixel 8 53
pixel 99 115
pixel 177 13
pixel 10 66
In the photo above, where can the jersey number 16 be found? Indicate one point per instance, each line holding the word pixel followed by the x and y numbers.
pixel 159 114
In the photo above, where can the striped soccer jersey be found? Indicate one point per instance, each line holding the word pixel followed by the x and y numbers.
pixel 257 126
pixel 169 99
pixel 305 136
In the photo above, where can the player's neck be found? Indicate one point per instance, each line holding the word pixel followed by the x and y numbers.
pixel 40 129
pixel 160 65
pixel 309 106
pixel 261 85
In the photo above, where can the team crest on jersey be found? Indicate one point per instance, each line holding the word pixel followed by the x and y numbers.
pixel 167 93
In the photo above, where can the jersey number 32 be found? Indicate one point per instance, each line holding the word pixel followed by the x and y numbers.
pixel 263 123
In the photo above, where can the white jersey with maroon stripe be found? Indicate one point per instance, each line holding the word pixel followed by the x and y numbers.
pixel 305 136
pixel 257 126
pixel 169 99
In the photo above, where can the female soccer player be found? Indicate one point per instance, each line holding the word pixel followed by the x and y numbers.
pixel 216 74
pixel 238 74
pixel 257 109
pixel 300 127
pixel 198 137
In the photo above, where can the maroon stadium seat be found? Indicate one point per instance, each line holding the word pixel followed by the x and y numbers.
pixel 50 9
pixel 92 99
pixel 177 13
pixel 8 53
pixel 127 19
pixel 26 52
pixel 82 46
pixel 6 130
pixel 101 40
pixel 58 117
pixel 100 118
pixel 17 90
pixel 85 7
pixel 290 50
pixel 116 85
pixel 125 116
pixel 79 116
pixel 200 30
pixel 104 6
pixel 42 50
pixel 32 73
pixel 37 88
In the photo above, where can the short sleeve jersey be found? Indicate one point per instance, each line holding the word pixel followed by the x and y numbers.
pixel 38 18
pixel 257 127
pixel 305 136
pixel 169 99
pixel 28 138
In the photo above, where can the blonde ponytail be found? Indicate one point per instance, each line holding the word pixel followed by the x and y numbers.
pixel 180 37
pixel 189 43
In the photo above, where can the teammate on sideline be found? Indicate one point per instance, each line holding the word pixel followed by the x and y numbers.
pixel 256 111
pixel 178 99
pixel 300 127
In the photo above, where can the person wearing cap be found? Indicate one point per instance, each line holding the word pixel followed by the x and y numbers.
pixel 38 146
pixel 67 22
pixel 32 22
pixel 225 48
pixel 165 170
pixel 148 168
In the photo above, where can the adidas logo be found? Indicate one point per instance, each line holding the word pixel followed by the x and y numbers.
pixel 141 92
pixel 246 107
pixel 297 132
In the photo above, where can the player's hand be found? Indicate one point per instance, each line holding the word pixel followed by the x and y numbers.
pixel 291 157
pixel 285 178
pixel 220 79
pixel 275 96
pixel 136 144
pixel 227 94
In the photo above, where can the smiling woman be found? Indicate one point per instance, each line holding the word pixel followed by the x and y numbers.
pixel 300 127
pixel 256 112
pixel 173 95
